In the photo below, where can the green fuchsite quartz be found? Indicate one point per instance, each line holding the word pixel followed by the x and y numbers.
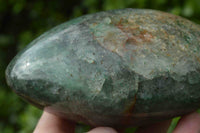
pixel 117 68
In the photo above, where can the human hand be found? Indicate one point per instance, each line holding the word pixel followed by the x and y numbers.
pixel 50 123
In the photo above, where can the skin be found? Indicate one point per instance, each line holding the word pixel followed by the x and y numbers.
pixel 53 124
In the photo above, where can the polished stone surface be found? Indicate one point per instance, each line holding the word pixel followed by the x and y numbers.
pixel 115 68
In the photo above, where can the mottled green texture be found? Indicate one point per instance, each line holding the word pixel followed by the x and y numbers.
pixel 115 68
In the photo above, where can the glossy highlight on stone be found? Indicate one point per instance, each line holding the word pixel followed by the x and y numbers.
pixel 117 68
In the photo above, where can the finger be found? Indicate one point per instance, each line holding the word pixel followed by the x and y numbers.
pixel 102 130
pixel 189 124
pixel 160 127
pixel 50 123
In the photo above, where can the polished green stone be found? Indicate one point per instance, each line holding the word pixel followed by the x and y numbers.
pixel 116 68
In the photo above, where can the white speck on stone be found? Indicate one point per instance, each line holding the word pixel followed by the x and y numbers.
pixel 96 85
pixel 107 20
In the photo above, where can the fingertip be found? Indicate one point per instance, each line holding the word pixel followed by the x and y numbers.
pixel 51 123
pixel 103 130
pixel 188 124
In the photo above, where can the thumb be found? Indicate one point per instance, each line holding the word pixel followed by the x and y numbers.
pixel 102 130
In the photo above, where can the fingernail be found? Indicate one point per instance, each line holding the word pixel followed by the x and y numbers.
pixel 102 130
